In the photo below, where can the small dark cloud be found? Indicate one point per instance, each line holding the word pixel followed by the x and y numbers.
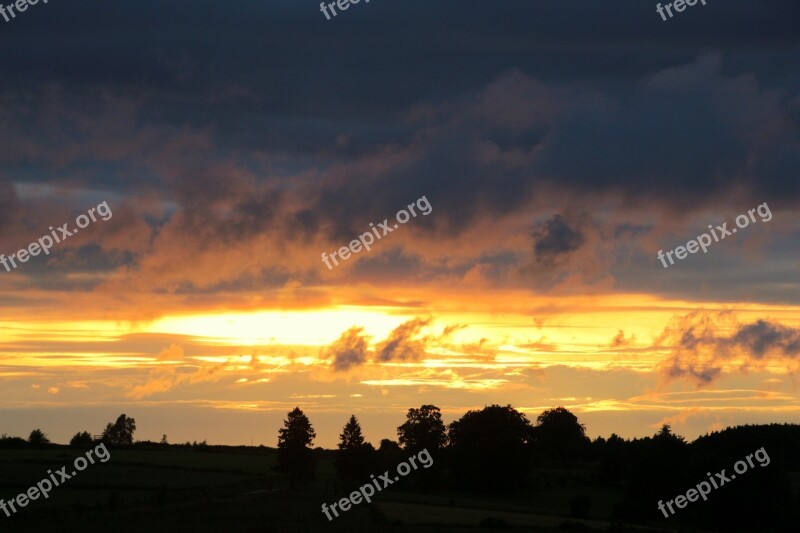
pixel 402 343
pixel 540 345
pixel 349 350
pixel 449 330
pixel 703 374
pixel 553 239
pixel 763 337
pixel 620 341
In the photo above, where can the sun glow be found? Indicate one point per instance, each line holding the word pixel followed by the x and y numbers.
pixel 316 328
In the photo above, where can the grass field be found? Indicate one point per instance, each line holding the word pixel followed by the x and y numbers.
pixel 234 489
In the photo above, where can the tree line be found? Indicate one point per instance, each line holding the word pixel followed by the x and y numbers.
pixel 118 433
pixel 489 448
pixel 498 450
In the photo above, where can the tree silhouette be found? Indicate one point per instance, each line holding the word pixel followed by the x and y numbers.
pixel 389 446
pixel 120 433
pixel 423 429
pixel 613 460
pixel 659 470
pixel 389 455
pixel 356 457
pixel 12 442
pixel 295 455
pixel 559 435
pixel 667 437
pixel 761 499
pixel 38 438
pixel 490 448
pixel 81 440
pixel 351 437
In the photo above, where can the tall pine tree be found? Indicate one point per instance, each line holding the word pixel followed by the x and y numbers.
pixel 351 436
pixel 295 455
pixel 356 457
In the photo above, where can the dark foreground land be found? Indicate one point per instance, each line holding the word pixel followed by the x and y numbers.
pixel 234 489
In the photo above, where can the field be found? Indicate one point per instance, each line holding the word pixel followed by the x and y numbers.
pixel 196 489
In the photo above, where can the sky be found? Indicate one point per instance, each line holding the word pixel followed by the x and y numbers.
pixel 219 152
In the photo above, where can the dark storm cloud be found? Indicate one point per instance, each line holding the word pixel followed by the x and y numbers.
pixel 80 268
pixel 681 141
pixel 239 213
pixel 253 118
pixel 277 77
pixel 392 264
pixel 315 64
pixel 9 205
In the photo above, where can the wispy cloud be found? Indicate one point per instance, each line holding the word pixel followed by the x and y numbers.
pixel 705 344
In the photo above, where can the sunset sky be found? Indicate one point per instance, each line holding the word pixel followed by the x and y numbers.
pixel 560 145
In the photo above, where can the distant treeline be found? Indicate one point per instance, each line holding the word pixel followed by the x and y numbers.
pixel 498 450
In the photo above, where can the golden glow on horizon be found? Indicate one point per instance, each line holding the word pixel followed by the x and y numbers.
pixel 72 331
pixel 311 328
pixel 455 383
